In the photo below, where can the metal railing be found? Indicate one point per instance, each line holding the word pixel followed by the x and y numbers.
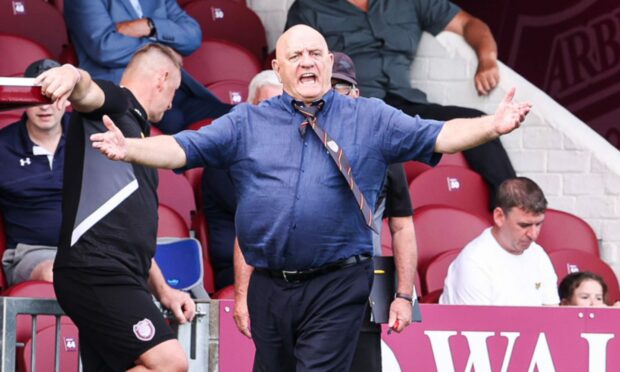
pixel 199 339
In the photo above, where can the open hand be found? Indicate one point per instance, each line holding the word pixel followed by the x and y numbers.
pixel 112 143
pixel 510 114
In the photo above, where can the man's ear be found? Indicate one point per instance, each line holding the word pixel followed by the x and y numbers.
pixel 276 68
pixel 499 217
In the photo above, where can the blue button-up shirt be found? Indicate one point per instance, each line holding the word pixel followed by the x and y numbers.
pixel 294 208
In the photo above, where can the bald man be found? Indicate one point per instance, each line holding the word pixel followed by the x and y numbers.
pixel 303 271
pixel 104 272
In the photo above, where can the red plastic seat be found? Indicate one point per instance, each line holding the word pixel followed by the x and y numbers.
pixel 562 230
pixel 226 293
pixel 431 298
pixel 451 186
pixel 9 117
pixel 194 176
pixel 231 21
pixel 437 270
pixel 230 91
pixel 37 21
pixel 415 168
pixel 46 339
pixel 440 229
pixel 170 223
pixel 218 60
pixel 566 261
pixel 18 52
pixel 176 192
pixel 202 234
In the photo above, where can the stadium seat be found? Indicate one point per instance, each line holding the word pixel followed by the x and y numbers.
pixel 194 176
pixel 180 261
pixel 452 186
pixel 14 64
pixel 37 21
pixel 230 91
pixel 226 293
pixel 562 230
pixel 218 60
pixel 415 168
pixel 437 270
pixel 176 192
pixel 32 289
pixel 170 223
pixel 440 229
pixel 155 131
pixel 9 117
pixel 566 261
pixel 230 21
pixel 45 342
pixel 386 239
pixel 199 124
pixel 202 234
pixel 431 298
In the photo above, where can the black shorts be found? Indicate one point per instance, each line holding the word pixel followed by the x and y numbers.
pixel 115 314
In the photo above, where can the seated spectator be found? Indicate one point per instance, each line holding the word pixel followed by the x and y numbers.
pixel 264 85
pixel 106 33
pixel 504 265
pixel 584 289
pixel 382 38
pixel 219 204
pixel 32 156
pixel 393 203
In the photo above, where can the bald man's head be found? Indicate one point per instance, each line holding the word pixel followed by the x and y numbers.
pixel 303 63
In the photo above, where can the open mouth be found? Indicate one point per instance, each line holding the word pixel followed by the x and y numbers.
pixel 308 78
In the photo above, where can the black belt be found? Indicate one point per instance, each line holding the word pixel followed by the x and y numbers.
pixel 295 276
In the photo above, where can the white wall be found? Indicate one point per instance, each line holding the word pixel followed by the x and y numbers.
pixel 577 169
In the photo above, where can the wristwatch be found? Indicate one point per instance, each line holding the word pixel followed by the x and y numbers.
pixel 403 296
pixel 151 25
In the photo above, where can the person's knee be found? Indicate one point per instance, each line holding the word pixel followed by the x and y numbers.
pixel 167 356
pixel 43 271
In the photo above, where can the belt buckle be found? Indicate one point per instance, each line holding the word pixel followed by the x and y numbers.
pixel 285 274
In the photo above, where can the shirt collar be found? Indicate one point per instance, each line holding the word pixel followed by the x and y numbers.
pixel 286 101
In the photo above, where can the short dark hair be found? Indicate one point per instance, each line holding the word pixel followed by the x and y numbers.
pixel 567 286
pixel 523 193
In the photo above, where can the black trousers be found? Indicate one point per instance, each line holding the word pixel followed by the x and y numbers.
pixel 489 160
pixel 367 357
pixel 308 326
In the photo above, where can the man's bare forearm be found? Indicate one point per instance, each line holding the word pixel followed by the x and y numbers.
pixel 405 252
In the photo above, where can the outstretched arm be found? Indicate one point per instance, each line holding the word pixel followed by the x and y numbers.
pixel 478 35
pixel 157 152
pixel 462 134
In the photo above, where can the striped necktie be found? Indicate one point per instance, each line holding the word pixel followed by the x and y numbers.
pixel 337 155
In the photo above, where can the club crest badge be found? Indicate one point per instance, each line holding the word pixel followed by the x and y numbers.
pixel 144 330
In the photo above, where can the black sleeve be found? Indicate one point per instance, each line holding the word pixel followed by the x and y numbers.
pixel 397 203
pixel 115 102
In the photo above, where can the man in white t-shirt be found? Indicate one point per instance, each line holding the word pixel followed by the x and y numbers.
pixel 504 265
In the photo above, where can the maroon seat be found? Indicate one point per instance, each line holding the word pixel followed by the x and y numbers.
pixel 415 168
pixel 452 186
pixel 230 91
pixel 562 230
pixel 176 192
pixel 440 229
pixel 9 117
pixel 437 270
pixel 45 341
pixel 226 293
pixel 194 176
pixel 218 60
pixel 231 21
pixel 202 234
pixel 566 261
pixel 18 52
pixel 170 223
pixel 37 21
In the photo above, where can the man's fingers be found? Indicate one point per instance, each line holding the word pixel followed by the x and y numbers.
pixel 509 96
pixel 109 124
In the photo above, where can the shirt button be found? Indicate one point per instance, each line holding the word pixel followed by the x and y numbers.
pixel 306 144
